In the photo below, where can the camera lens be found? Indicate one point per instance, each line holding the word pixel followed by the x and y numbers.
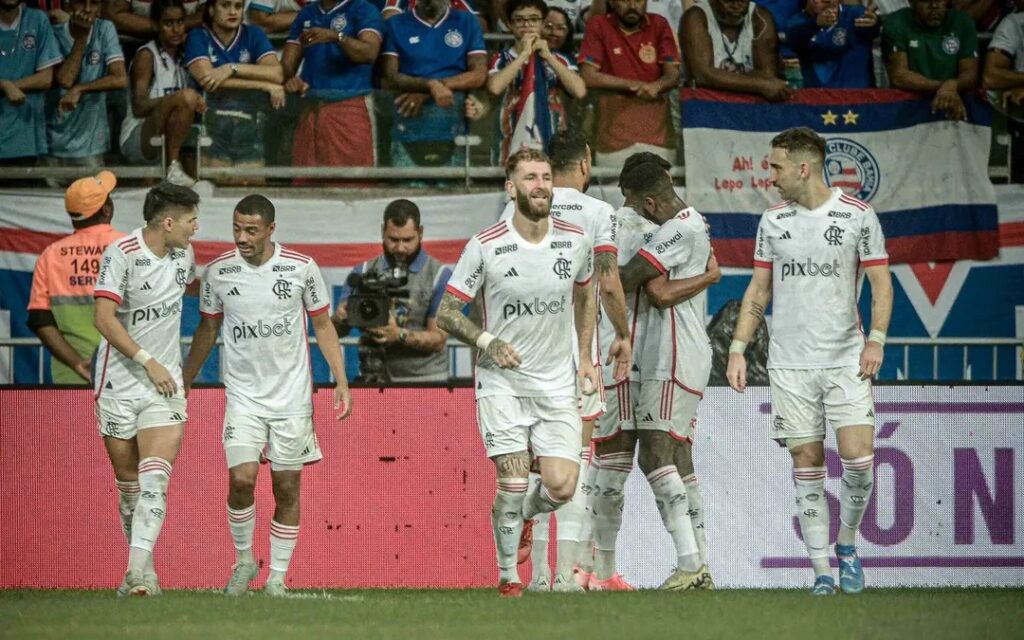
pixel 368 308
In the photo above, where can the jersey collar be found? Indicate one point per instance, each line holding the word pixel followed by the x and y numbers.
pixel 447 12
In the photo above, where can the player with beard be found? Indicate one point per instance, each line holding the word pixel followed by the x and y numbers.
pixel 570 163
pixel 527 272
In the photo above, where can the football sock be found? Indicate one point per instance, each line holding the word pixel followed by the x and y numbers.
pixel 812 512
pixel 148 518
pixel 854 493
pixel 695 497
pixel 540 501
pixel 570 521
pixel 128 497
pixel 283 538
pixel 539 553
pixel 243 529
pixel 507 523
pixel 585 547
pixel 670 495
pixel 606 503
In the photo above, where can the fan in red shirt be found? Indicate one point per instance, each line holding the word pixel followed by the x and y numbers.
pixel 634 58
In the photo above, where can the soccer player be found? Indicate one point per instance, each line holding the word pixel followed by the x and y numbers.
pixel 676 361
pixel 140 404
pixel 260 294
pixel 570 163
pixel 809 253
pixel 528 272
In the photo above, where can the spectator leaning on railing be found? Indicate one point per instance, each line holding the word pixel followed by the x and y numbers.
pixel 932 50
pixel 633 58
pixel 393 8
pixel 833 41
pixel 162 103
pixel 76 109
pixel 225 56
pixel 432 55
pixel 337 42
pixel 732 45
pixel 1004 79
pixel 30 53
pixel 510 67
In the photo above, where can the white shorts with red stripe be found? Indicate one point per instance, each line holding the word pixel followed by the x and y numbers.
pixel 122 418
pixel 667 406
pixel 290 442
pixel 620 410
pixel 592 406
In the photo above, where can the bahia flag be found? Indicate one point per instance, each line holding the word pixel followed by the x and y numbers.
pixel 532 118
pixel 926 176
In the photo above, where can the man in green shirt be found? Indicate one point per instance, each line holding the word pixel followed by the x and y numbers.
pixel 932 49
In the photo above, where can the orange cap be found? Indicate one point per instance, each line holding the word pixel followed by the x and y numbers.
pixel 86 196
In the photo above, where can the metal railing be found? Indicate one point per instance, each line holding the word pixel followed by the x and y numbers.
pixel 458 354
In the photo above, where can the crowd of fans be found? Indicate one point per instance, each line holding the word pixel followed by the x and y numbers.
pixel 366 82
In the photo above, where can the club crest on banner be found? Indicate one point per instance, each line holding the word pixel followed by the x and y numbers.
pixel 851 167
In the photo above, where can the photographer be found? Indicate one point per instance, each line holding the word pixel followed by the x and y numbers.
pixel 407 346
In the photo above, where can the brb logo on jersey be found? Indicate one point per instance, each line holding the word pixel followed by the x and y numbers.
pixel 852 168
pixel 261 330
pixel 793 269
pixel 536 307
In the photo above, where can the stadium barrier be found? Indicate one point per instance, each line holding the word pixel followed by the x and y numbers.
pixel 402 498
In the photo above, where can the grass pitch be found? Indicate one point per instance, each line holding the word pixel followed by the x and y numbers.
pixel 880 613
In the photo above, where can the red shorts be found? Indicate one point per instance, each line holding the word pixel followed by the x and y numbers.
pixel 336 134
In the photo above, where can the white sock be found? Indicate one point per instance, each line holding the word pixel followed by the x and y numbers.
pixel 570 521
pixel 507 523
pixel 541 524
pixel 670 495
pixel 148 519
pixel 585 548
pixel 540 501
pixel 812 512
pixel 695 497
pixel 283 538
pixel 128 497
pixel 854 493
pixel 606 503
pixel 242 523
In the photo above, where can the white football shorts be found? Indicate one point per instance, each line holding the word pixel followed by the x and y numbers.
pixel 290 442
pixel 803 400
pixel 666 406
pixel 550 427
pixel 122 418
pixel 620 410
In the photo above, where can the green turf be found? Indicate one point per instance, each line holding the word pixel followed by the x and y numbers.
pixel 416 615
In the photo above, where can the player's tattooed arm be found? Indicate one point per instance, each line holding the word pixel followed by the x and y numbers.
pixel 613 299
pixel 513 465
pixel 637 272
pixel 755 302
pixel 452 321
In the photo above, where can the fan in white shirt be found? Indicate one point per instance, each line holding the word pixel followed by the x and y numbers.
pixel 259 296
pixel 810 252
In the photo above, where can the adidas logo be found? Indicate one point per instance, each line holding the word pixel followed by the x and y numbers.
pixel 177 417
pixel 234 292
pixel 109 386
pixel 785 236
pixel 146 287
pixel 512 273
pixel 647 418
pixel 479 386
pixel 871 413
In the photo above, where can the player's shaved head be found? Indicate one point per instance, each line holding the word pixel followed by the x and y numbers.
pixel 647 179
pixel 802 144
pixel 568 149
pixel 639 158
pixel 256 205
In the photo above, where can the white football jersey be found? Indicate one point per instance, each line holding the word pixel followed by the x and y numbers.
pixel 634 231
pixel 815 257
pixel 148 292
pixel 266 351
pixel 598 221
pixel 527 294
pixel 677 346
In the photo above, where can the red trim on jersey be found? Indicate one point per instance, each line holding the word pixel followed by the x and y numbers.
pixel 316 312
pixel 584 283
pixel 458 294
pixel 221 258
pixel 676 380
pixel 492 231
pixel 103 373
pixel 680 438
pixel 100 293
pixel 781 205
pixel 132 249
pixel 493 236
pixel 762 264
pixel 874 263
pixel 211 315
pixel 294 255
pixel 850 200
pixel 607 248
pixel 567 226
pixel 646 255
pixel 123 243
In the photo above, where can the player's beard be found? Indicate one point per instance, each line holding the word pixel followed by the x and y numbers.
pixel 527 207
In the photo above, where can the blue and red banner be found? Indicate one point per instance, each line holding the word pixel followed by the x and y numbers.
pixel 926 176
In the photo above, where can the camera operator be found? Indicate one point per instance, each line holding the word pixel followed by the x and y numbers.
pixel 410 347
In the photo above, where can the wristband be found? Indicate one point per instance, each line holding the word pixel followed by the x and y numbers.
pixel 484 340
pixel 877 336
pixel 142 357
pixel 738 346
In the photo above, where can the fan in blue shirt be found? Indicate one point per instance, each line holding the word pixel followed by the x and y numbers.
pixel 833 42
